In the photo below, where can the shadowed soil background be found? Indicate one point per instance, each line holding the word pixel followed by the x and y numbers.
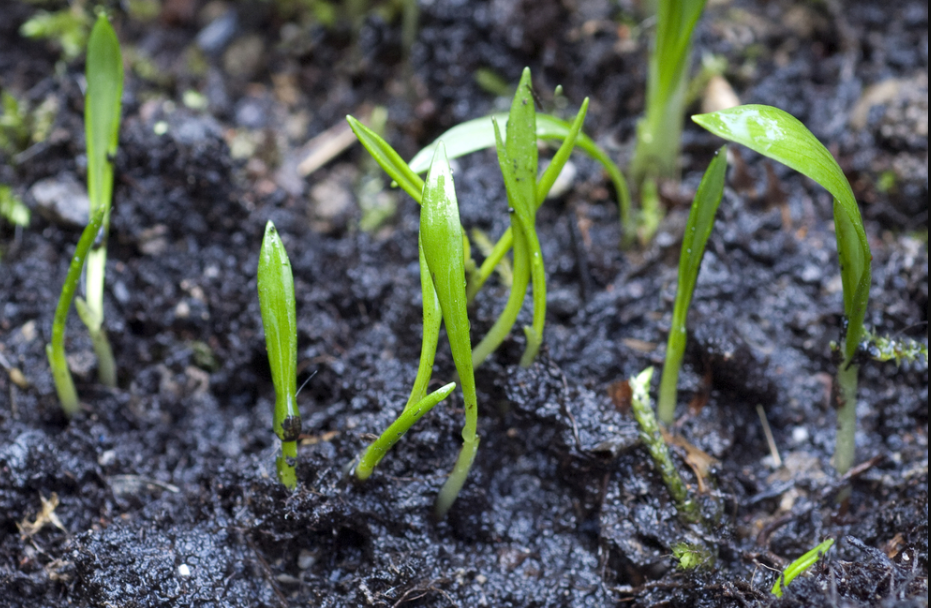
pixel 163 492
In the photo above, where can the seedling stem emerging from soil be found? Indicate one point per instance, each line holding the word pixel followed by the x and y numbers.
pixel 279 318
pixel 800 565
pixel 102 126
pixel 782 137
pixel 653 440
pixel 697 230
pixel 658 133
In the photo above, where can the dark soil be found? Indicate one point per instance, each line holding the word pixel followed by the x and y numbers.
pixel 165 487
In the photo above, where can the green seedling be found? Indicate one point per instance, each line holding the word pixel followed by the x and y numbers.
pixel 102 127
pixel 55 350
pixel 697 230
pixel 12 208
pixel 101 120
pixel 479 134
pixel 441 236
pixel 781 137
pixel 279 318
pixel 653 440
pixel 800 565
pixel 691 556
pixel 67 27
pixel 658 133
pixel 518 161
pixel 419 403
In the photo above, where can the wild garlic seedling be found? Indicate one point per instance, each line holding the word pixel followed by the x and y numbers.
pixel 653 440
pixel 279 318
pixel 782 137
pixel 55 350
pixel 801 565
pixel 419 403
pixel 479 134
pixel 660 130
pixel 525 194
pixel 697 230
pixel 441 236
pixel 101 125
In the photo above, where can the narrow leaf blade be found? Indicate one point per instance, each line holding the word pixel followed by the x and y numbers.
pixel 388 159
pixel 778 135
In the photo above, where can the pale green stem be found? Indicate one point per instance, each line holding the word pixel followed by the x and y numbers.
pixel 55 350
pixel 450 490
pixel 845 449
pixel 502 327
pixel 408 418
pixel 653 440
pixel 286 464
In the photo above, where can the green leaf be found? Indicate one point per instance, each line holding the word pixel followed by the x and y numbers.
pixel 388 159
pixel 102 102
pixel 479 134
pixel 562 155
pixel 279 319
pixel 782 137
pixel 408 418
pixel 800 565
pixel 441 237
pixel 697 230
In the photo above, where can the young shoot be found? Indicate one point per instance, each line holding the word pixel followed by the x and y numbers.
pixel 279 319
pixel 800 565
pixel 419 403
pixel 782 137
pixel 653 440
pixel 441 237
pixel 55 350
pixel 697 230
pixel 104 75
pixel 518 161
pixel 659 131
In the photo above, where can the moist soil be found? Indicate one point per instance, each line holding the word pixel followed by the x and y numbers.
pixel 162 491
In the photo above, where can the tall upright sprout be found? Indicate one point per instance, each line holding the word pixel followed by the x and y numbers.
pixel 279 318
pixel 441 236
pixel 104 75
pixel 697 230
pixel 102 123
pixel 782 137
pixel 659 131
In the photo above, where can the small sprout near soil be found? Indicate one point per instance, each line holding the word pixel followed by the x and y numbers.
pixel 697 230
pixel 653 440
pixel 279 318
pixel 800 565
pixel 782 137
pixel 12 209
pixel 692 556
pixel 441 236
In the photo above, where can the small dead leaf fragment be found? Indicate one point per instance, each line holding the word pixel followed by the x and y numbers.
pixel 46 515
pixel 697 459
pixel 621 395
